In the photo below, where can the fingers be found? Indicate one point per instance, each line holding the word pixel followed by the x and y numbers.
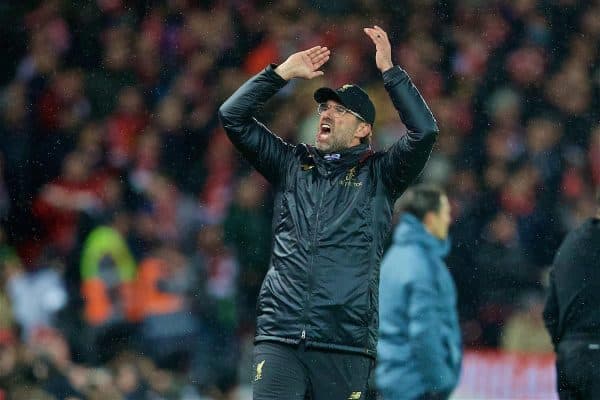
pixel 317 51
pixel 372 34
pixel 319 64
pixel 381 33
pixel 383 56
pixel 377 34
pixel 318 56
pixel 323 52
pixel 320 60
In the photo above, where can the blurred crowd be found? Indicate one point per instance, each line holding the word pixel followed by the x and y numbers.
pixel 134 239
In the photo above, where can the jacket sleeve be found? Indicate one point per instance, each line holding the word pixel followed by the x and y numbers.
pixel 264 150
pixel 405 159
pixel 551 311
pixel 425 335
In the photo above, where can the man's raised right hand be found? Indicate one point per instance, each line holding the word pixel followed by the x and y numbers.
pixel 304 64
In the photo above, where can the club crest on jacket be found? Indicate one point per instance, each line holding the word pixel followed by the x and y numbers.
pixel 350 179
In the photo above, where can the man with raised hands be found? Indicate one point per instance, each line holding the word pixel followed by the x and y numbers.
pixel 317 311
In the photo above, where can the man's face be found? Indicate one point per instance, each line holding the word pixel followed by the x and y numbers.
pixel 439 222
pixel 336 132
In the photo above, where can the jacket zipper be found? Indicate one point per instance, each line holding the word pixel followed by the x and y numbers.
pixel 308 274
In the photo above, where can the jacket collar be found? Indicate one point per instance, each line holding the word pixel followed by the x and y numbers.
pixel 351 156
pixel 411 230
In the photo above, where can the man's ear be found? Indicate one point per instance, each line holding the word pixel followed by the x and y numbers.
pixel 363 130
pixel 428 217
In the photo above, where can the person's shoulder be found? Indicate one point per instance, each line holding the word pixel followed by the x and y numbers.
pixel 372 158
pixel 589 229
pixel 376 155
pixel 579 242
pixel 411 255
pixel 305 153
pixel 304 148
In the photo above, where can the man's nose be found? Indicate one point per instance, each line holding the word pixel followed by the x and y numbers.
pixel 328 112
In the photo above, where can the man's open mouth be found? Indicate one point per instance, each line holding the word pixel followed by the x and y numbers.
pixel 325 129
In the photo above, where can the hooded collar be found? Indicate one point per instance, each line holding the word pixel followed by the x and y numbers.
pixel 411 230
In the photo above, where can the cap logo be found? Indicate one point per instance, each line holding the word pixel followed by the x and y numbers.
pixel 346 86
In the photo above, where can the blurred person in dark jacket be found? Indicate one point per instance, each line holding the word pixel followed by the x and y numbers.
pixel 247 227
pixel 571 312
pixel 318 305
pixel 503 268
pixel 419 349
pixel 216 294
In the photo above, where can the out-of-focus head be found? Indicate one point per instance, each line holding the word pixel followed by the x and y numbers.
pixel 430 205
pixel 210 238
pixel 75 167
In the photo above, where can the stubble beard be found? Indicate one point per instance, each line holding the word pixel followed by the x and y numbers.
pixel 335 144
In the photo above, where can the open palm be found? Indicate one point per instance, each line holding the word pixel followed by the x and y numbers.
pixel 383 54
pixel 304 64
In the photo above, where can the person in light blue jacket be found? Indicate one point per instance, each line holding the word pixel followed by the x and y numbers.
pixel 419 352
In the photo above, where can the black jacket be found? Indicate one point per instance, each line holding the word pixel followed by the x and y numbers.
pixel 331 218
pixel 573 306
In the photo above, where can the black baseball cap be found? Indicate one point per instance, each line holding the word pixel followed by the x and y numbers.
pixel 350 96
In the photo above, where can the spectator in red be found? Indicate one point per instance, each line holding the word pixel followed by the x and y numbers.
pixel 60 201
pixel 63 107
pixel 125 125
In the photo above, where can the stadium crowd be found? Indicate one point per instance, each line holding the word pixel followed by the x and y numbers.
pixel 134 238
